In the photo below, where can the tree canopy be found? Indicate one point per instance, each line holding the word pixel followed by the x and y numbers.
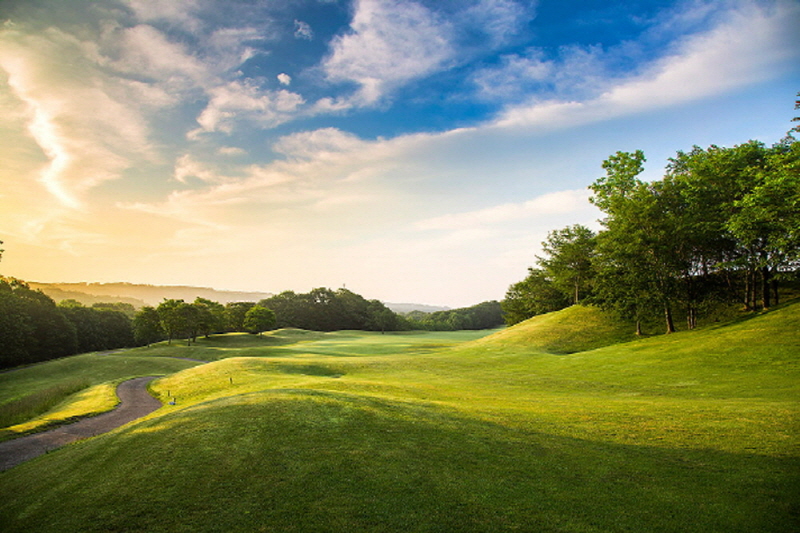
pixel 722 225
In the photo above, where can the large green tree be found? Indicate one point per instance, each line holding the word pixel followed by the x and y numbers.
pixel 569 260
pixel 534 295
pixel 147 326
pixel 639 240
pixel 173 319
pixel 259 319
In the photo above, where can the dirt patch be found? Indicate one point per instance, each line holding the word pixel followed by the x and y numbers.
pixel 135 402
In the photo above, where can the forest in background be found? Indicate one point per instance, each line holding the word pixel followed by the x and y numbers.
pixel 34 328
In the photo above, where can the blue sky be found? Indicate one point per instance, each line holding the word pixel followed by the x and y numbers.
pixel 416 151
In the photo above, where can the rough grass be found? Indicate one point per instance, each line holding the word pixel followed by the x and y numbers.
pixel 39 402
pixel 87 402
pixel 58 381
pixel 695 431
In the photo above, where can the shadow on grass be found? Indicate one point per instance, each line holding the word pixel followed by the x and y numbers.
pixel 324 461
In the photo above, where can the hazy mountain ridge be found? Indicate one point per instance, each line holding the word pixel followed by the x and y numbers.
pixel 141 294
pixel 405 308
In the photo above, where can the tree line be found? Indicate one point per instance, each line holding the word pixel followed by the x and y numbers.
pixel 722 226
pixel 34 328
pixel 485 315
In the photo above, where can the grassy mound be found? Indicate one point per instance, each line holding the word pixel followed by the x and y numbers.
pixel 695 431
pixel 302 461
pixel 574 329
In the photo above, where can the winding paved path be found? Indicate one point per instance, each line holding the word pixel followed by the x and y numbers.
pixel 135 402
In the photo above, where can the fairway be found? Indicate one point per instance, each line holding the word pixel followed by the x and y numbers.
pixel 461 431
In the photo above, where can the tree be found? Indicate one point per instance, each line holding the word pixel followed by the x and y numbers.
pixel 213 317
pixel 235 312
pixel 46 332
pixel 122 307
pixel 637 240
pixel 173 321
pixel 380 318
pixel 16 329
pixel 766 219
pixel 569 262
pixel 259 319
pixel 117 328
pixel 147 326
pixel 534 295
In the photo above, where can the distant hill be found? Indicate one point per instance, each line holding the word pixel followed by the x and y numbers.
pixel 407 308
pixel 139 294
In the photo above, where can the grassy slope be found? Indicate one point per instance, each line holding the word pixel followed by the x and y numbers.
pixel 692 432
pixel 574 329
pixel 99 373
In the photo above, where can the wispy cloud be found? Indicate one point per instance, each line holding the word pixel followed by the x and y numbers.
pixel 750 44
pixel 88 131
pixel 238 102
pixel 390 43
pixel 302 30
pixel 542 207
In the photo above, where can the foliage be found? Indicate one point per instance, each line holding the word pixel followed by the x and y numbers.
pixel 259 319
pixel 235 313
pixel 32 328
pixel 532 296
pixel 147 327
pixel 569 260
pixel 485 315
pixel 722 225
pixel 323 309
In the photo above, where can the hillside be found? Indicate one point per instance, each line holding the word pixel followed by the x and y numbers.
pixel 574 329
pixel 354 431
pixel 140 294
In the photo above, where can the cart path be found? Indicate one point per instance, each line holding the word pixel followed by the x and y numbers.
pixel 135 402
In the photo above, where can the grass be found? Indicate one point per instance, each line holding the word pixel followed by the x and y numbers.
pixel 696 431
pixel 39 402
pixel 75 387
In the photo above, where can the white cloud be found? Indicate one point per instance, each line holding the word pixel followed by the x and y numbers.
pixel 231 150
pixel 752 44
pixel 86 125
pixel 239 101
pixel 302 30
pixel 499 20
pixel 179 12
pixel 145 51
pixel 284 78
pixel 545 206
pixel 390 44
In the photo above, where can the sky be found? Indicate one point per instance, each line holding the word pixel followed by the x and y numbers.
pixel 410 150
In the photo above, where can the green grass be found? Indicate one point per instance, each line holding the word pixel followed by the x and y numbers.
pixel 75 387
pixel 39 402
pixel 293 342
pixel 574 329
pixel 350 431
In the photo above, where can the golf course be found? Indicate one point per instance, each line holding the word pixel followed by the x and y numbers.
pixel 565 422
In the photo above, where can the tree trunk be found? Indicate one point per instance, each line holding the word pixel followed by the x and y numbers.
pixel 765 292
pixel 668 317
pixel 775 290
pixel 638 328
pixel 691 317
pixel 750 290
